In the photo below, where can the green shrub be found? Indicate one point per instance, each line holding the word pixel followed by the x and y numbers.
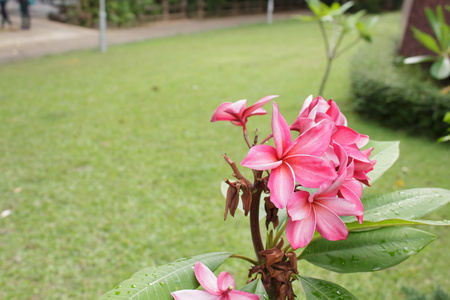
pixel 396 95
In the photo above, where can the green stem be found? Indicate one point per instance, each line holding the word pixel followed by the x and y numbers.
pixel 325 76
pixel 279 234
pixel 244 258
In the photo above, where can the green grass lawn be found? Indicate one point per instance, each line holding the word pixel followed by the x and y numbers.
pixel 109 162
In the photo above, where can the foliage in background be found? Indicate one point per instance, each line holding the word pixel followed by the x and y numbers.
pixel 439 44
pixel 398 96
pixel 447 137
pixel 413 294
pixel 341 25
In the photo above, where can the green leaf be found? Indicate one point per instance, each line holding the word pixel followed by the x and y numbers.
pixel 418 59
pixel 157 283
pixel 367 251
pixel 426 40
pixel 322 289
pixel 393 222
pixel 408 204
pixel 385 153
pixel 346 6
pixel 440 69
pixel 256 287
pixel 433 21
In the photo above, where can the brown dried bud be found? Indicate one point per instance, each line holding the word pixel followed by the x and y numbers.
pixel 271 213
pixel 246 196
pixel 232 200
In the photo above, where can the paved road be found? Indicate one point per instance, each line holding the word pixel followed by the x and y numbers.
pixel 49 37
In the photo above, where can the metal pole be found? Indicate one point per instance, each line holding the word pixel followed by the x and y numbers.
pixel 269 11
pixel 102 19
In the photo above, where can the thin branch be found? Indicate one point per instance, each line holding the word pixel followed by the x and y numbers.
pixel 245 136
pixel 244 258
pixel 236 172
pixel 348 47
pixel 266 139
pixel 324 36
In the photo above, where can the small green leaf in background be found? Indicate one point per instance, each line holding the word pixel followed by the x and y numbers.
pixel 385 153
pixel 440 69
pixel 426 40
pixel 256 287
pixel 367 251
pixel 321 289
pixel 418 59
pixel 157 283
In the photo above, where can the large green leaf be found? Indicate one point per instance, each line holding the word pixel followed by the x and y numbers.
pixel 321 289
pixel 408 204
pixel 256 287
pixel 433 21
pixel 440 69
pixel 157 283
pixel 385 153
pixel 368 250
pixel 394 222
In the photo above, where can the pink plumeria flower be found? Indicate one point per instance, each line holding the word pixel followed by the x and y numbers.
pixel 237 113
pixel 292 161
pixel 222 288
pixel 319 211
pixel 316 110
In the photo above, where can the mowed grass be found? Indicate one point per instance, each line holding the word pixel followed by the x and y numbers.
pixel 109 163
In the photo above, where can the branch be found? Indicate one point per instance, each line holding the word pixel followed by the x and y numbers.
pixel 236 172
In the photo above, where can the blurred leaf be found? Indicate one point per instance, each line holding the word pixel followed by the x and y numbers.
pixel 346 6
pixel 367 251
pixel 433 21
pixel 426 40
pixel 385 153
pixel 440 69
pixel 157 283
pixel 418 59
pixel 256 287
pixel 366 225
pixel 321 289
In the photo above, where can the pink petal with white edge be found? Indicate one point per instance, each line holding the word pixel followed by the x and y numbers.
pixel 299 207
pixel 312 142
pixel 311 171
pixel 194 294
pixel 281 184
pixel 341 207
pixel 221 115
pixel 329 225
pixel 240 295
pixel 252 109
pixel 237 107
pixel 261 158
pixel 300 233
pixel 206 278
pixel 280 131
pixel 259 111
pixel 225 282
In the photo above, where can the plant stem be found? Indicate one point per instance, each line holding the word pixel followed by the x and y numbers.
pixel 244 258
pixel 325 76
pixel 254 216
pixel 246 137
pixel 279 234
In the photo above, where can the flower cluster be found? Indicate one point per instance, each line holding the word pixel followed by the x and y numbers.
pixel 326 156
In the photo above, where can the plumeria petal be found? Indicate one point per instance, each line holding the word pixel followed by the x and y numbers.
pixel 311 171
pixel 225 282
pixel 252 109
pixel 221 115
pixel 300 233
pixel 328 224
pixel 341 207
pixel 206 278
pixel 346 136
pixel 281 184
pixel 280 131
pixel 241 295
pixel 259 111
pixel 261 157
pixel 313 142
pixel 237 107
pixel 336 114
pixel 194 294
pixel 299 207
